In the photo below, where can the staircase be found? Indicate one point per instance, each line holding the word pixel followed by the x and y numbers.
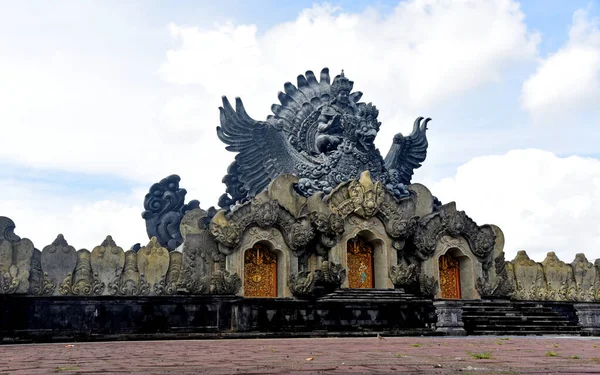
pixel 368 295
pixel 502 317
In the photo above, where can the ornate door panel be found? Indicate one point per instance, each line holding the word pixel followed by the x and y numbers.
pixel 449 277
pixel 260 272
pixel 360 264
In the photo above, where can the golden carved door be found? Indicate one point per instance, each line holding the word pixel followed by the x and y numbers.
pixel 449 277
pixel 260 272
pixel 360 264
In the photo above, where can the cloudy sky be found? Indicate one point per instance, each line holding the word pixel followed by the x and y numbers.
pixel 100 99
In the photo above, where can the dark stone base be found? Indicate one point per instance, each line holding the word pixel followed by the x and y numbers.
pixel 47 319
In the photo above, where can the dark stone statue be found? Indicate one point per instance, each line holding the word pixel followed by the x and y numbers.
pixel 165 208
pixel 319 132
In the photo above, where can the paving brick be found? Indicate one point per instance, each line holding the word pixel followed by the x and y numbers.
pixel 392 355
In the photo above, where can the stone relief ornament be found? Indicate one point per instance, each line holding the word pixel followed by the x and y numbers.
pixel 560 284
pixel 428 285
pixel 228 227
pixel 529 276
pixel 164 209
pixel 153 264
pixel 319 132
pixel 585 275
pixel 448 221
pixel 58 262
pixel 82 282
pixel 107 262
pixel 366 198
pixel 15 259
pixel 130 282
pixel 505 283
pixel 303 283
pixel 405 275
pixel 223 282
pixel 311 283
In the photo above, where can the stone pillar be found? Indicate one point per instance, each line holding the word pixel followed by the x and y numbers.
pixel 589 318
pixel 449 314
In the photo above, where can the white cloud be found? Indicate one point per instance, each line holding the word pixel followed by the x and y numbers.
pixel 80 112
pixel 567 81
pixel 41 213
pixel 540 201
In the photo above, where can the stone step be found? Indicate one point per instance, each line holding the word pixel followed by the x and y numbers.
pixel 368 294
pixel 516 318
pixel 521 333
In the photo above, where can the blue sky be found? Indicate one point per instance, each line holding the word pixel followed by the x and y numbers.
pixel 104 98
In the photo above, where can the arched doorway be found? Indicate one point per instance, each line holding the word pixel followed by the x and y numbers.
pixel 360 263
pixel 260 272
pixel 450 277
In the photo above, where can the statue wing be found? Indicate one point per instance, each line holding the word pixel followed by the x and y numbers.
pixel 407 153
pixel 262 149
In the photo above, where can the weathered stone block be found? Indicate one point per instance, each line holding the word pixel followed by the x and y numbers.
pixel 58 262
pixel 589 318
pixel 449 314
pixel 130 282
pixel 15 259
pixel 529 277
pixel 560 285
pixel 585 275
pixel 107 261
pixel 153 264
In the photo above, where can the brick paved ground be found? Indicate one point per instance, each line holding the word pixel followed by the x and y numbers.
pixel 405 355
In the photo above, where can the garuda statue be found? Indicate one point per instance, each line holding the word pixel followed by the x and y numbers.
pixel 320 133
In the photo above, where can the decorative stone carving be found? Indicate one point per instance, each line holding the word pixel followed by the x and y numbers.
pixel 366 199
pixel 107 261
pixel 448 221
pixel 303 283
pixel 165 208
pixel 328 278
pixel 82 282
pixel 262 212
pixel 223 282
pixel 175 273
pixel 130 282
pixel 529 277
pixel 585 276
pixel 504 285
pixel 333 274
pixel 36 275
pixel 560 285
pixel 321 133
pixel 449 317
pixel 15 259
pixel 405 275
pixel 429 286
pixel 153 264
pixel 58 262
pixel 200 252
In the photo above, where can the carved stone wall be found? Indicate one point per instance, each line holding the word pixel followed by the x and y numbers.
pixel 555 280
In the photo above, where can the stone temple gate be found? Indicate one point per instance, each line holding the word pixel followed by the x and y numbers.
pixel 316 231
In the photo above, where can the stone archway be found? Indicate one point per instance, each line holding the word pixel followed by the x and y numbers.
pixel 456 275
pixel 260 272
